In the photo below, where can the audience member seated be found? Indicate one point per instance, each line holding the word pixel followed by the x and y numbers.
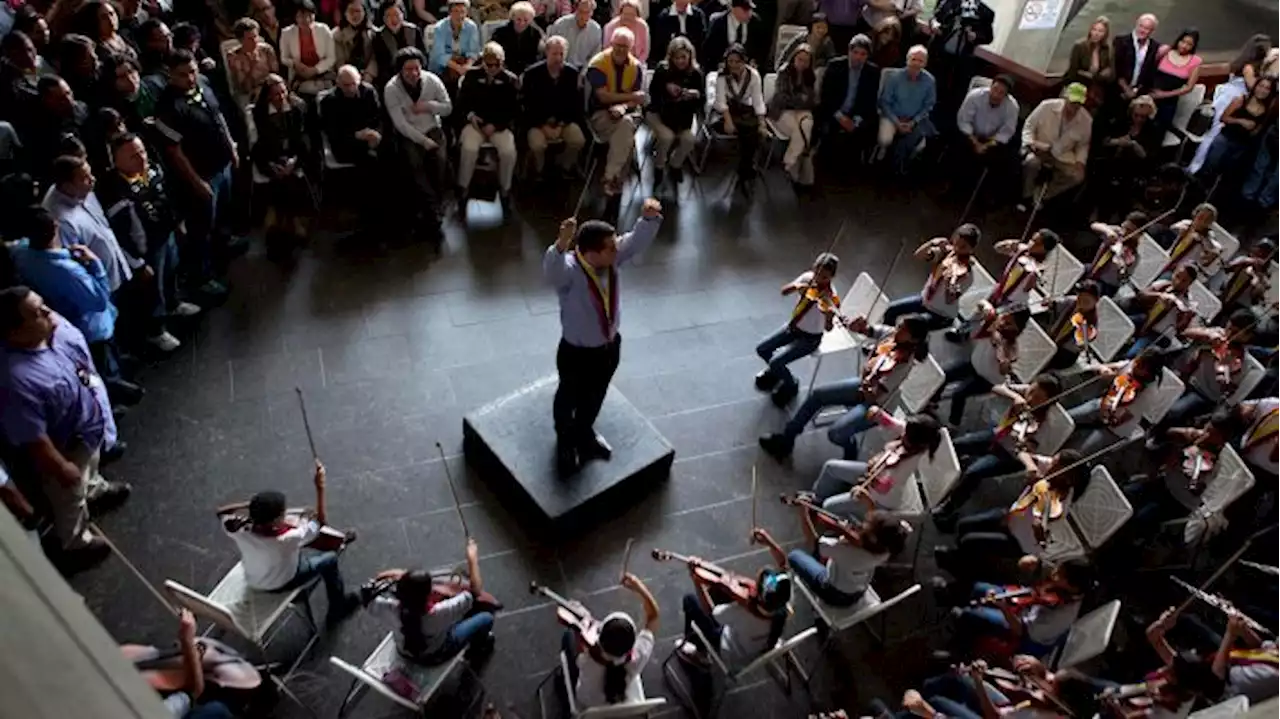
pixel 351 121
pixel 584 34
pixel 98 21
pixel 741 26
pixel 547 12
pixel 551 101
pixel 1055 141
pixel 395 35
pixel 819 42
pixel 987 121
pixel 271 544
pixel 794 100
pixel 455 46
pixel 19 73
pixel 281 155
pixel 617 81
pixel 1091 63
pixel 249 64
pixel 416 100
pixel 489 100
pixel 629 17
pixel 850 87
pixel 907 96
pixel 55 415
pixel 307 52
pixel 681 19
pixel 142 217
pixel 56 113
pixel 675 99
pixel 520 39
pixel 739 109
pixel 1242 123
pixel 28 21
pixel 353 41
pixel 1127 156
pixel 1176 75
pixel 1256 59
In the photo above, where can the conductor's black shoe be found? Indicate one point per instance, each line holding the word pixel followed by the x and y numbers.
pixel 566 459
pixel 786 392
pixel 766 380
pixel 594 447
pixel 778 446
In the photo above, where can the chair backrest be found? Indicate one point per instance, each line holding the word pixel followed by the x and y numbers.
pixel 1101 510
pixel 204 607
pixel 1055 430
pixel 939 475
pixel 1151 259
pixel 1089 636
pixel 1230 244
pixel 1114 329
pixel 783 647
pixel 1186 107
pixel 979 81
pixel 921 384
pixel 374 683
pixel 620 711
pixel 878 608
pixel 770 87
pixel 1154 402
pixel 1035 349
pixel 786 33
pixel 1207 304
pixel 1063 270
pixel 429 36
pixel 1234 706
pixel 865 299
pixel 486 30
pixel 1231 479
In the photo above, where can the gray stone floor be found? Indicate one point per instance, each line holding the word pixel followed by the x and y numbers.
pixel 391 348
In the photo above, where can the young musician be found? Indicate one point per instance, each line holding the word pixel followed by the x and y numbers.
pixel 745 620
pixel 1193 245
pixel 994 350
pixel 582 266
pixel 1185 461
pixel 990 453
pixel 608 670
pixel 1020 275
pixel 1033 622
pixel 1129 381
pixel 1252 670
pixel 843 559
pixel 182 703
pixel 1168 692
pixel 271 543
pixel 1247 278
pixel 433 629
pixel 950 276
pixel 1192 673
pixel 898 348
pixel 855 488
pixel 1117 254
pixel 1258 444
pixel 1074 325
pixel 1217 366
pixel 813 315
pixel 1168 310
pixel 955 694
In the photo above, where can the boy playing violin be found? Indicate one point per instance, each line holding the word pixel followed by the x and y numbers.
pixel 1217 367
pixel 844 557
pixel 990 361
pixel 271 543
pixel 813 315
pixel 1028 619
pixel 855 488
pixel 1020 275
pixel 1075 325
pixel 1117 255
pixel 1130 380
pixel 950 276
pixel 1168 310
pixel 743 618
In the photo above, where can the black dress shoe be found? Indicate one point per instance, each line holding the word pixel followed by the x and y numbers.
pixel 124 392
pixel 778 446
pixel 114 452
pixel 786 392
pixel 766 380
pixel 113 496
pixel 566 459
pixel 594 447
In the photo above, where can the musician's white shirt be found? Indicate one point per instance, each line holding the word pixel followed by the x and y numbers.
pixel 985 362
pixel 1046 625
pixel 435 624
pixel 590 690
pixel 889 382
pixel 849 568
pixel 939 304
pixel 1255 680
pixel 744 635
pixel 272 562
pixel 813 322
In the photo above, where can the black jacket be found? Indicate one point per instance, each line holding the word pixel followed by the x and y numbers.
pixel 951 18
pixel 522 48
pixel 543 99
pixel 496 100
pixel 666 25
pixel 341 117
pixel 1125 56
pixel 835 83
pixel 677 114
pixel 759 37
pixel 385 46
pixel 281 135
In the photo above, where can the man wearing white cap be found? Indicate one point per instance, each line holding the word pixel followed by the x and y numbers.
pixel 1056 140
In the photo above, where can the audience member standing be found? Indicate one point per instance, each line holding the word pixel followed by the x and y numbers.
pixel 959 27
pixel 1137 55
pixel 1091 62
pixel 739 25
pixel 681 19
pixel 1176 75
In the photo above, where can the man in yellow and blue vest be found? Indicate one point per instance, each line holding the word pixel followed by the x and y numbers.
pixel 617 96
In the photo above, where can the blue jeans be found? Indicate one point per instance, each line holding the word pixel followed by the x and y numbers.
pixel 164 262
pixel 993 463
pixel 460 635
pixel 1190 404
pixel 204 218
pixel 958 689
pixel 846 429
pixel 810 570
pixel 968 384
pixel 1223 154
pixel 904 146
pixel 325 566
pixel 212 710
pixel 912 305
pixel 1261 186
pixel 785 346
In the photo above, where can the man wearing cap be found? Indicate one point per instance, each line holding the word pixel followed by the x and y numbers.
pixel 847 108
pixel 582 266
pixel 987 120
pixel 1055 140
pixel 739 24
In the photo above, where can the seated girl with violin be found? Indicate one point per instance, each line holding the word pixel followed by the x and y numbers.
pixel 990 453
pixel 605 663
pixel 845 555
pixel 1247 278
pixel 1168 310
pixel 1022 529
pixel 950 276
pixel 1217 366
pixel 1020 276
pixel 1193 244
pixel 955 693
pixel 854 488
pixel 1112 412
pixel 897 350
pixel 1117 254
pixel 1026 619
pixel 271 542
pixel 744 618
pixel 1074 327
pixel 994 350
pixel 813 315
pixel 434 628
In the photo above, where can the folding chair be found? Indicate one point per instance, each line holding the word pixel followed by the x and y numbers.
pixel 1054 431
pixel 253 615
pixel 922 383
pixel 1234 706
pixel 840 619
pixel 1177 135
pixel 1114 330
pixel 1092 519
pixel 1230 480
pixel 1230 246
pixel 1062 272
pixel 864 299
pixel 730 678
pixel 1252 375
pixel 1207 304
pixel 1151 259
pixel 1154 403
pixel 1035 349
pixel 639 708
pixel 1089 636
pixel 386 658
pixel 786 33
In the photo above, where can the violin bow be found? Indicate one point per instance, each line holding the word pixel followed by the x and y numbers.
pixel 448 477
pixel 306 423
pixel 93 527
pixel 755 519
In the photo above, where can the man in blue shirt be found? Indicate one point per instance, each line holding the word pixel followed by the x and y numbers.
pixel 907 97
pixel 582 266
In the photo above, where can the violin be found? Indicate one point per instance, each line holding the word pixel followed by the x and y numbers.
pixel 1012 684
pixel 1084 331
pixel 1046 504
pixel 444 585
pixel 1228 358
pixel 887 458
pixel 1125 258
pixel 841 524
pixel 1197 462
pixel 572 614
pixel 741 588
pixel 327 540
pixel 1123 391
pixel 1043 594
pixel 223 666
pixel 883 360
pixel 950 272
pixel 1024 425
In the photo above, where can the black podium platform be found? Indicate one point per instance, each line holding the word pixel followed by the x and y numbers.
pixel 511 441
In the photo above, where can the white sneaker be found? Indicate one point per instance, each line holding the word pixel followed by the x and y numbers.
pixel 186 309
pixel 165 342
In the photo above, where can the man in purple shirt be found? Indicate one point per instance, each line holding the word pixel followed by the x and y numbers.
pixel 52 409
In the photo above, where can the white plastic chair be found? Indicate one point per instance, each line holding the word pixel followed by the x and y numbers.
pixel 1062 272
pixel 840 619
pixel 1230 246
pixel 1114 330
pixel 1234 706
pixel 1092 519
pixel 1154 402
pixel 1035 350
pixel 978 291
pixel 730 678
pixel 864 299
pixel 639 708
pixel 1177 135
pixel 486 30
pixel 786 33
pixel 1207 304
pixel 921 384
pixel 369 675
pixel 1089 636
pixel 1230 480
pixel 1151 259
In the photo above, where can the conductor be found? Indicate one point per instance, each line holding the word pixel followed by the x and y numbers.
pixel 582 266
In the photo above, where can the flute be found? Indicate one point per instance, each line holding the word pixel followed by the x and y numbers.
pixel 1218 602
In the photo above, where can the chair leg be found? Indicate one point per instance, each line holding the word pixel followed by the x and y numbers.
pixel 541 688
pixel 285 690
pixel 683 693
pixel 349 700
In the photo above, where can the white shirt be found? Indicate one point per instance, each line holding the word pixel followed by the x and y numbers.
pixel 749 91
pixel 985 362
pixel 813 321
pixel 590 689
pixel 1262 455
pixel 888 383
pixel 849 568
pixel 939 303
pixel 272 562
pixel 435 623
pixel 733 24
pixel 744 634
pixel 1046 625
pixel 1139 57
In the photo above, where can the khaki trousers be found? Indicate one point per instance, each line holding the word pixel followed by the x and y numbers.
pixel 573 140
pixel 1065 176
pixel 70 505
pixel 620 135
pixel 665 138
